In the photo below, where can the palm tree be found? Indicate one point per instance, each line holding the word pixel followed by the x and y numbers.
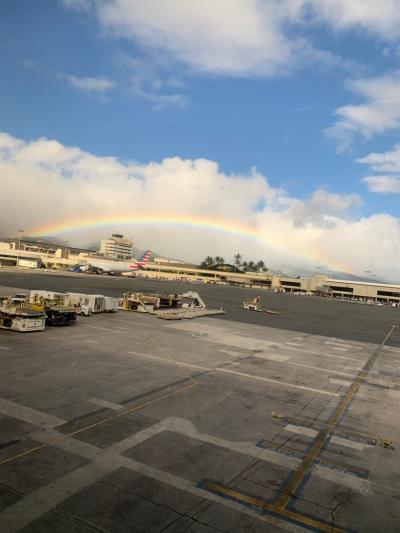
pixel 208 262
pixel 219 260
pixel 260 266
pixel 238 260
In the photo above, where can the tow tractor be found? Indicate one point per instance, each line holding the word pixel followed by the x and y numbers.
pixel 255 305
pixel 56 314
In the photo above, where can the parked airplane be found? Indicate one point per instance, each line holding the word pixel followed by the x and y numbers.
pixel 101 266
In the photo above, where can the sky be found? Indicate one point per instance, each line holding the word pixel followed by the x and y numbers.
pixel 265 127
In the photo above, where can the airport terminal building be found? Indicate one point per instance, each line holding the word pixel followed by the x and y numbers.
pixel 65 258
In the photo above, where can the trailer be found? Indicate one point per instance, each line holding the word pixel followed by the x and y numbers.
pixel 59 316
pixel 168 306
pixel 110 304
pixel 255 305
pixel 86 303
pixel 140 302
pixel 22 319
pixel 36 296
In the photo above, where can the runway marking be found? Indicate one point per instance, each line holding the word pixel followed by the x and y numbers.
pixel 294 344
pixel 232 353
pixel 40 501
pixel 280 507
pixel 349 443
pixel 237 373
pixel 262 505
pixel 103 421
pixel 319 369
pixel 301 430
pixel 105 403
pixel 276 382
pixel 271 357
pixel 170 361
pixel 99 327
pixel 309 460
pixel 5 348
pixel 344 345
pixel 32 416
pixel 321 354
pixel 109 458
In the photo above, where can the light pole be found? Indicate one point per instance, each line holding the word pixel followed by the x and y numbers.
pixel 19 244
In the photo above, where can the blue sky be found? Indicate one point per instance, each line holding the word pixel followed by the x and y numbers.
pixel 123 80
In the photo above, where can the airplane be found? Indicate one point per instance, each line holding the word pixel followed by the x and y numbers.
pixel 100 266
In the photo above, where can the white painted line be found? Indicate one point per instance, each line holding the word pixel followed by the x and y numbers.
pixel 321 354
pixel 234 372
pixel 36 418
pixel 169 361
pixel 363 486
pixel 4 348
pixel 344 345
pixel 271 357
pixel 319 369
pixel 276 382
pixel 337 349
pixel 232 353
pixel 92 341
pixel 342 382
pixel 105 403
pixel 191 488
pixel 294 344
pixel 99 327
pixel 349 443
pixel 301 430
pixel 38 502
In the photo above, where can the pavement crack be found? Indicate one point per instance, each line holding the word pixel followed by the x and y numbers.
pixel 341 501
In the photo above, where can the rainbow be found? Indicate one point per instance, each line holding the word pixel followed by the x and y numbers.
pixel 204 223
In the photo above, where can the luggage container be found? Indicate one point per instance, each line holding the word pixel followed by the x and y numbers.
pixel 110 304
pixel 39 295
pixel 94 303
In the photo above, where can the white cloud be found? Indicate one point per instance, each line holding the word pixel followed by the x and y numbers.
pixel 224 37
pixel 383 184
pixel 383 161
pixel 380 112
pixel 388 162
pixel 99 85
pixel 63 183
pixel 241 37
pixel 379 18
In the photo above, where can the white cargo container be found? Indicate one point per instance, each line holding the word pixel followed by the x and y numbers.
pixel 36 295
pixel 110 304
pixel 95 303
pixel 28 263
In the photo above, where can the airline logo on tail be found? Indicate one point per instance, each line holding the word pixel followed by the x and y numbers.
pixel 142 261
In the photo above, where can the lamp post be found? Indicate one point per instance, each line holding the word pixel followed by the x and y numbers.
pixel 20 231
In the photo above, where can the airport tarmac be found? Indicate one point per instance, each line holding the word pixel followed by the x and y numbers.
pixel 126 423
pixel 305 314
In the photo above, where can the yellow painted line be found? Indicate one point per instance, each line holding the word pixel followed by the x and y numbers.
pixel 98 423
pixel 264 506
pixel 309 459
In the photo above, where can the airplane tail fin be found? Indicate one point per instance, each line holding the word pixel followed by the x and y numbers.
pixel 142 261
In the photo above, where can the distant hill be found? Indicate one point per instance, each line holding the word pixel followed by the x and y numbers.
pixel 337 274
